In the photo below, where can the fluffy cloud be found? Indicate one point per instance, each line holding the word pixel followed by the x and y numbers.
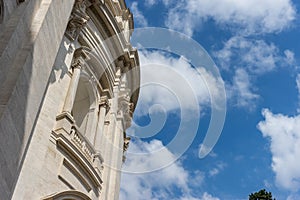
pixel 249 58
pixel 249 16
pixel 138 15
pixel 298 87
pixel 240 91
pixel 216 170
pixel 284 134
pixel 160 184
pixel 289 57
pixel 256 56
pixel 168 81
pixel 207 196
pixel 153 2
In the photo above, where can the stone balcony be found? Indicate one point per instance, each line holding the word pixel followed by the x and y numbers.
pixel 77 150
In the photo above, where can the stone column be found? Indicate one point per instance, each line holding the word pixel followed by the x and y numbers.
pixel 65 120
pixel 116 162
pixel 69 102
pixel 103 107
pixel 91 127
pixel 108 142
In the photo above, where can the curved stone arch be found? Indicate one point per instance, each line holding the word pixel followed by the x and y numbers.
pixel 98 68
pixel 104 75
pixel 67 195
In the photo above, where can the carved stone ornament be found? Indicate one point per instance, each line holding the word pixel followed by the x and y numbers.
pixel 77 63
pixel 104 101
pixel 126 143
pixel 125 146
pixel 77 21
pixel 126 107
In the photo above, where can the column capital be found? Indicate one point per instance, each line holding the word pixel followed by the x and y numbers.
pixel 77 21
pixel 125 146
pixel 77 64
pixel 126 143
pixel 104 102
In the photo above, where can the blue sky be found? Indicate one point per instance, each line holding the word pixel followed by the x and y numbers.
pixel 255 46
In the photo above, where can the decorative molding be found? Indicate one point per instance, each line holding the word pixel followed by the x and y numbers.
pixel 77 21
pixel 70 194
pixel 77 63
pixel 125 146
pixel 104 103
pixel 126 143
pixel 77 152
pixel 68 166
pixel 125 109
pixel 76 147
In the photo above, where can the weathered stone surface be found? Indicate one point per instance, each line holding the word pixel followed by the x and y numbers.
pixel 47 151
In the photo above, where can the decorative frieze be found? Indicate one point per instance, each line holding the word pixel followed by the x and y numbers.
pixel 86 164
pixel 82 143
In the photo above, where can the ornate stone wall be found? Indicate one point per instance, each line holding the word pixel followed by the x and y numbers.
pixel 68 79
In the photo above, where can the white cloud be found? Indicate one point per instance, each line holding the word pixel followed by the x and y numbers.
pixel 139 18
pixel 207 196
pixel 249 16
pixel 161 183
pixel 168 81
pixel 298 87
pixel 240 90
pixel 289 57
pixel 293 197
pixel 256 56
pixel 284 134
pixel 249 58
pixel 216 170
pixel 150 3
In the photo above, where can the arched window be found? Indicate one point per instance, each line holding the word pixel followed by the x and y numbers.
pixel 84 105
pixel 68 195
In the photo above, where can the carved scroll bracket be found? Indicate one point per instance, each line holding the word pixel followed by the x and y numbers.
pixel 125 109
pixel 125 146
pixel 77 21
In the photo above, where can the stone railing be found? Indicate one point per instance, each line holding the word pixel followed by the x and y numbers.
pixel 66 128
pixel 82 143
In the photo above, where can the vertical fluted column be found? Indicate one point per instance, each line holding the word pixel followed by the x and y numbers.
pixel 103 106
pixel 91 124
pixel 116 163
pixel 69 102
pixel 108 139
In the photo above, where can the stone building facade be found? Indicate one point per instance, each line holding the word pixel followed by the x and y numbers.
pixel 69 82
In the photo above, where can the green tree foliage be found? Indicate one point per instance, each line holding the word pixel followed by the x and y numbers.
pixel 261 195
